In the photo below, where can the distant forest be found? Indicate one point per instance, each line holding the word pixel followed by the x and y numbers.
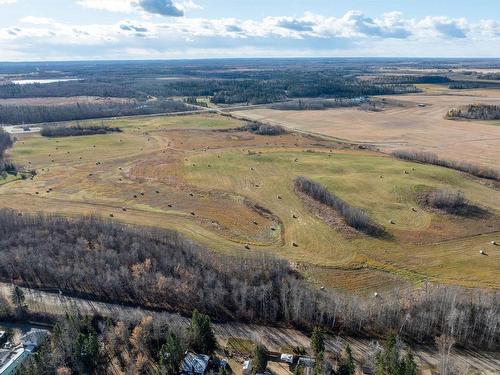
pixel 32 114
pixel 475 112
pixel 161 269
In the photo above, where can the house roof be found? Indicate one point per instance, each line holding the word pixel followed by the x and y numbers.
pixel 307 361
pixel 195 363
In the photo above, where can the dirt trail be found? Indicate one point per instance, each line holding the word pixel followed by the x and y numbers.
pixel 487 363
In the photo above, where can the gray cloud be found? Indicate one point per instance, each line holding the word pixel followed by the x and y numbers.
pixel 451 30
pixel 162 7
pixel 296 25
pixel 138 29
pixel 234 29
pixel 369 27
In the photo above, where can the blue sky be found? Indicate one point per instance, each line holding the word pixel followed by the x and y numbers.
pixel 135 29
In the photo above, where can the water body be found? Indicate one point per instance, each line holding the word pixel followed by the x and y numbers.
pixel 42 81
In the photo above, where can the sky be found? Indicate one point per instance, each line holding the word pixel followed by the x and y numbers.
pixel 185 29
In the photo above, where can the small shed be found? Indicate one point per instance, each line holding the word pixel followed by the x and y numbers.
pixel 307 362
pixel 247 367
pixel 287 358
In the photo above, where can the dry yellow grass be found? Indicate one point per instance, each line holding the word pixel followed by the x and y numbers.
pixel 184 173
pixel 405 125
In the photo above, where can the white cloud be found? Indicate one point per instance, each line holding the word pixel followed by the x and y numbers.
pixel 125 6
pixel 2 2
pixel 37 20
pixel 168 8
pixel 353 33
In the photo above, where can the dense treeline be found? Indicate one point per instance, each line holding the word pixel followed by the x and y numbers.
pixel 431 158
pixel 72 131
pixel 264 129
pixel 5 143
pixel 465 85
pixel 353 216
pixel 96 87
pixel 161 269
pixel 410 79
pixel 32 114
pixel 270 87
pixel 316 104
pixel 475 112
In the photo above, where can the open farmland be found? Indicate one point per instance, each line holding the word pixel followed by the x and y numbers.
pixel 235 189
pixel 413 121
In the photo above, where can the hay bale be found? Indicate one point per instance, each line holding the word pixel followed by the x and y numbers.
pixel 391 222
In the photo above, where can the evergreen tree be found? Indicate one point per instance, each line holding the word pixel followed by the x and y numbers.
pixel 17 297
pixel 389 362
pixel 319 365
pixel 346 363
pixel 260 359
pixel 409 367
pixel 317 341
pixel 298 370
pixel 201 335
pixel 87 349
pixel 171 355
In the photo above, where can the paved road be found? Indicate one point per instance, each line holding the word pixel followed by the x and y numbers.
pixel 39 301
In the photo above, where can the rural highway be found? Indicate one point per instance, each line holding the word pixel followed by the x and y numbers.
pixel 487 363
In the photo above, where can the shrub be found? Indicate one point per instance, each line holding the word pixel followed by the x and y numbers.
pixel 264 129
pixel 316 104
pixel 475 112
pixel 452 202
pixel 431 158
pixel 353 216
pixel 73 131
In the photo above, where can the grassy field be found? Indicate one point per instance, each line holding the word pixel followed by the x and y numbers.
pixel 233 190
pixel 414 121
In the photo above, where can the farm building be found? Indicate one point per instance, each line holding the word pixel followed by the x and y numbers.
pixel 195 364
